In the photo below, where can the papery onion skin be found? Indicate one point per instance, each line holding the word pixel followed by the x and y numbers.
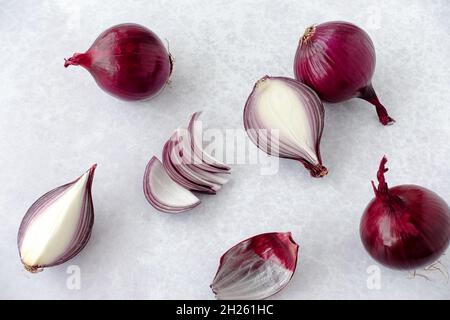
pixel 406 226
pixel 253 126
pixel 84 228
pixel 127 61
pixel 256 268
pixel 337 59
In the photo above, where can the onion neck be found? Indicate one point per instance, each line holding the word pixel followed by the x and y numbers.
pixel 382 192
pixel 368 94
pixel 76 60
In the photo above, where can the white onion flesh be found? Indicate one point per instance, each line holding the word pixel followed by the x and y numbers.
pixel 183 169
pixel 163 192
pixel 50 233
pixel 285 118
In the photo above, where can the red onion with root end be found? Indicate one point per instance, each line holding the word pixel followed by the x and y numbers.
pixel 337 59
pixel 285 118
pixel 128 61
pixel 406 226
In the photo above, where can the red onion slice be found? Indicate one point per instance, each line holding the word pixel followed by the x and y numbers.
pixel 256 268
pixel 212 177
pixel 163 193
pixel 58 225
pixel 184 166
pixel 208 162
pixel 183 151
pixel 180 172
pixel 285 118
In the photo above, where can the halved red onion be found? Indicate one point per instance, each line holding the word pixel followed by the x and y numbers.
pixel 337 59
pixel 165 194
pixel 285 118
pixel 256 268
pixel 58 225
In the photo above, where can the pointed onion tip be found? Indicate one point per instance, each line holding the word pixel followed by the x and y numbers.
pixel 382 170
pixel 90 174
pixel 93 167
pixel 383 189
pixel 75 60
pixel 383 162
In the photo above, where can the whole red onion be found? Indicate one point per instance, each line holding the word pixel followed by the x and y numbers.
pixel 405 227
pixel 337 59
pixel 128 61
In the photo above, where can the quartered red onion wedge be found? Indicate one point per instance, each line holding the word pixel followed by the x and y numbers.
pixel 256 268
pixel 58 225
pixel 185 167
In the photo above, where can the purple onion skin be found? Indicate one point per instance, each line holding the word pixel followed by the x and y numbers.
pixel 405 227
pixel 127 61
pixel 337 59
pixel 240 267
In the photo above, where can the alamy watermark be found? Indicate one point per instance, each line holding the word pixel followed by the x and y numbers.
pixel 233 147
pixel 374 277
pixel 73 281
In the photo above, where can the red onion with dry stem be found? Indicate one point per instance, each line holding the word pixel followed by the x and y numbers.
pixel 337 59
pixel 406 226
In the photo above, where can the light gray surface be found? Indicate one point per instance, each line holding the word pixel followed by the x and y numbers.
pixel 55 122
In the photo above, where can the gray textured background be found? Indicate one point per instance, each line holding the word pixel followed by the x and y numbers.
pixel 55 122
